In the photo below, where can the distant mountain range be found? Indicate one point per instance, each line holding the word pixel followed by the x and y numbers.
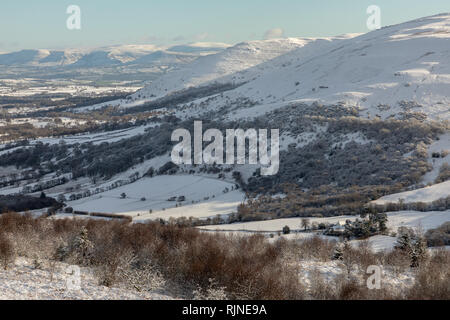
pixel 109 56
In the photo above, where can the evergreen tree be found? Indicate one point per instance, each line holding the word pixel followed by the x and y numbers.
pixel 413 244
pixel 404 242
pixel 82 246
pixel 339 251
pixel 419 251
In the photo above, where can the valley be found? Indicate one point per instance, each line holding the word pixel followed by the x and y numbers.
pixel 364 144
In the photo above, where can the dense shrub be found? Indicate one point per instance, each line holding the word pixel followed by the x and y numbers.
pixel 23 203
pixel 439 236
pixel 433 279
pixel 246 267
pixel 205 265
pixel 6 251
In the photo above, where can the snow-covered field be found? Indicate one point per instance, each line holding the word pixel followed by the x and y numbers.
pixel 275 225
pixel 427 194
pixel 75 89
pixel 205 197
pixel 43 122
pixel 412 219
pixel 94 138
pixel 98 138
pixel 222 205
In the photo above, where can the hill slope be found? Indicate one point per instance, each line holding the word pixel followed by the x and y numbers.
pixel 229 65
pixel 397 71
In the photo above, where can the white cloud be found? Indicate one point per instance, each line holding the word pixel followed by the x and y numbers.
pixel 274 33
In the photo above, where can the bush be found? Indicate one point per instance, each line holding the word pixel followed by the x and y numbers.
pixel 120 252
pixel 439 236
pixel 444 173
pixel 6 251
pixel 433 279
pixel 68 210
pixel 286 230
pixel 316 248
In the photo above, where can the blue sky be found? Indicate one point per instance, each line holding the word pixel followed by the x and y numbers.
pixel 42 24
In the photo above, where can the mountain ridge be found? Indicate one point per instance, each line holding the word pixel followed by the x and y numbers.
pixel 88 57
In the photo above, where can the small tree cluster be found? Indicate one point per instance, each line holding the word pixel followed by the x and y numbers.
pixel 413 243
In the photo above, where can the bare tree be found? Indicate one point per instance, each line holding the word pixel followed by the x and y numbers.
pixel 306 223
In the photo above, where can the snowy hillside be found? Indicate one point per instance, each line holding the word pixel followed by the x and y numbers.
pixel 428 194
pixel 406 62
pixel 227 66
pixel 398 69
pixel 24 57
